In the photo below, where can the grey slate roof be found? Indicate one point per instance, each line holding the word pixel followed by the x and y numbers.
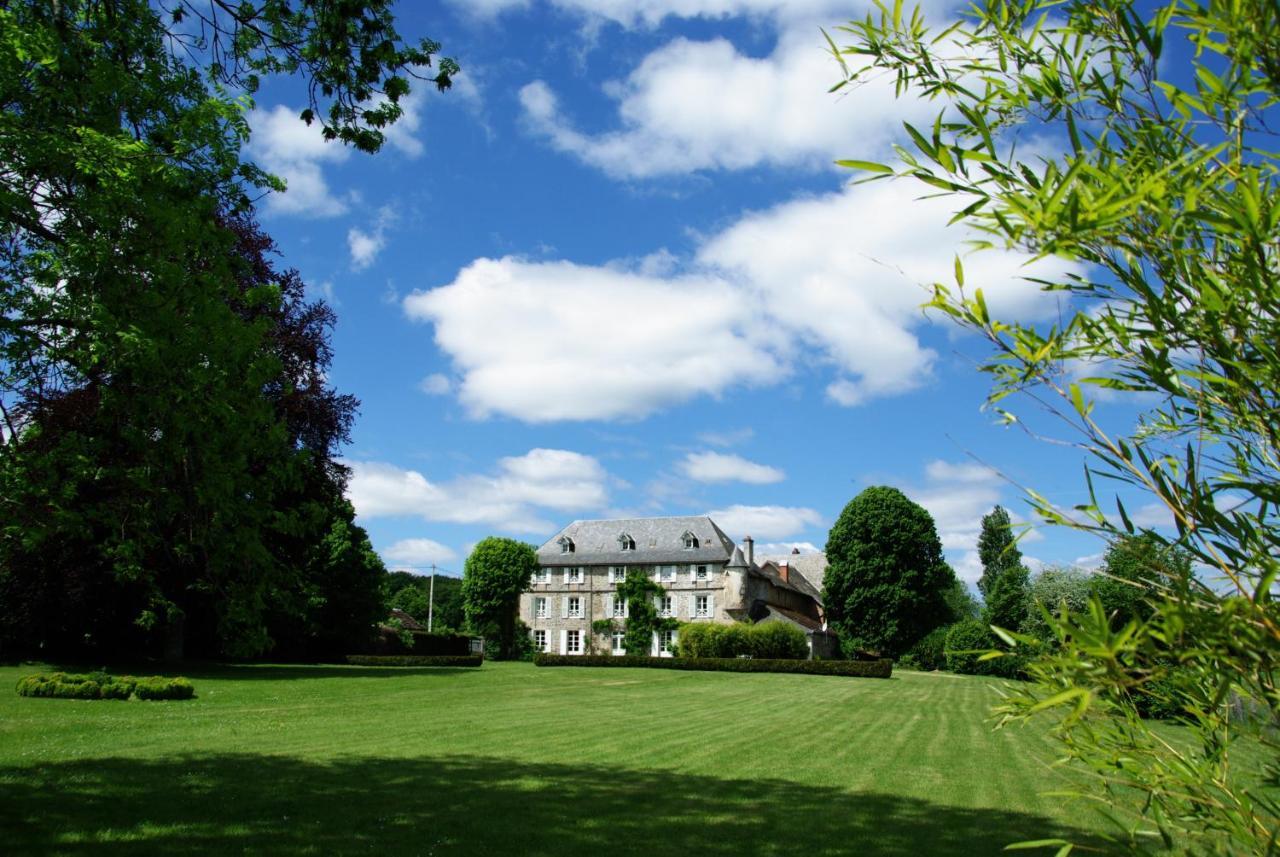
pixel 658 540
pixel 810 566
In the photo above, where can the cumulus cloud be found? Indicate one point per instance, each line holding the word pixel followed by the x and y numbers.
pixel 834 280
pixel 764 522
pixel 508 498
pixel 416 554
pixel 717 467
pixel 703 105
pixel 650 13
pixel 545 341
pixel 285 145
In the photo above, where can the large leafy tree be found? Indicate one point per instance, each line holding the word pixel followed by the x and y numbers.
pixel 496 572
pixel 886 584
pixel 140 452
pixel 1134 570
pixel 1159 178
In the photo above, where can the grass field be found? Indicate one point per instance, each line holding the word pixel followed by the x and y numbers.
pixel 511 759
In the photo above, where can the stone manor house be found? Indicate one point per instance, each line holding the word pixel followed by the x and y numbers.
pixel 704 575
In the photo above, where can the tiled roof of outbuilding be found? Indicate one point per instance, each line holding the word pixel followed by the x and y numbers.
pixel 811 566
pixel 658 540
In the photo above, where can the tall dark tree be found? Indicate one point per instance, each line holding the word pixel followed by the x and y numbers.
pixel 997 548
pixel 144 466
pixel 886 584
pixel 495 574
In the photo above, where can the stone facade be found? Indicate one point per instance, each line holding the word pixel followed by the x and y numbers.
pixel 706 578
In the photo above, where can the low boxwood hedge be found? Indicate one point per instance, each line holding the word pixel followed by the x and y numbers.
pixel 415 660
pixel 102 686
pixel 862 669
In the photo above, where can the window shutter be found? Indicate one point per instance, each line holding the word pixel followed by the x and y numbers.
pixel 626 609
pixel 653 649
pixel 693 607
pixel 711 606
pixel 564 606
pixel 675 607
pixel 566 574
pixel 564 641
pixel 608 606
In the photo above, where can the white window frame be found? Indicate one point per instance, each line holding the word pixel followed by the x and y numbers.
pixel 619 608
pixel 700 572
pixel 567 545
pixel 569 639
pixel 575 612
pixel 573 574
pixel 666 606
pixel 542 575
pixel 690 541
pixel 617 574
pixel 666 643
pixel 626 544
pixel 539 608
pixel 616 643
pixel 666 573
pixel 539 640
pixel 701 606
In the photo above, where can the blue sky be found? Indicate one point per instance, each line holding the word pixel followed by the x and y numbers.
pixel 614 272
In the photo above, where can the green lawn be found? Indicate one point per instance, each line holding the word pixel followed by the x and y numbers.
pixel 512 759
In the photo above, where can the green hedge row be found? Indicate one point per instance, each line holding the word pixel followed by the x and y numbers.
pixel 415 660
pixel 103 686
pixel 769 640
pixel 861 669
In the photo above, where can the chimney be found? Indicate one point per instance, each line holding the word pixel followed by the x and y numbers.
pixel 751 550
pixel 784 571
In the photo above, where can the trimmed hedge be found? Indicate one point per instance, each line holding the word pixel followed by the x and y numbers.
pixel 769 640
pixel 102 686
pixel 862 669
pixel 415 660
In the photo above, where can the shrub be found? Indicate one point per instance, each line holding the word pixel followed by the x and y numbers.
pixel 158 687
pixel 415 660
pixel 864 669
pixel 930 651
pixel 966 643
pixel 102 686
pixel 765 640
pixel 391 642
pixel 778 640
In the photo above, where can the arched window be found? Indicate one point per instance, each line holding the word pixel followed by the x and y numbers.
pixel 690 541
pixel 626 543
pixel 566 545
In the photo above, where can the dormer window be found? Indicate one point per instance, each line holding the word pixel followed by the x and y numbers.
pixel 567 545
pixel 626 543
pixel 690 541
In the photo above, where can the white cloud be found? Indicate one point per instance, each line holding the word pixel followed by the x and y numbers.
pixel 435 385
pixel 965 471
pixel 543 341
pixel 285 145
pixel 650 13
pixel 509 498
pixel 834 280
pixel 716 467
pixel 703 105
pixel 365 246
pixel 765 522
pixel 416 554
